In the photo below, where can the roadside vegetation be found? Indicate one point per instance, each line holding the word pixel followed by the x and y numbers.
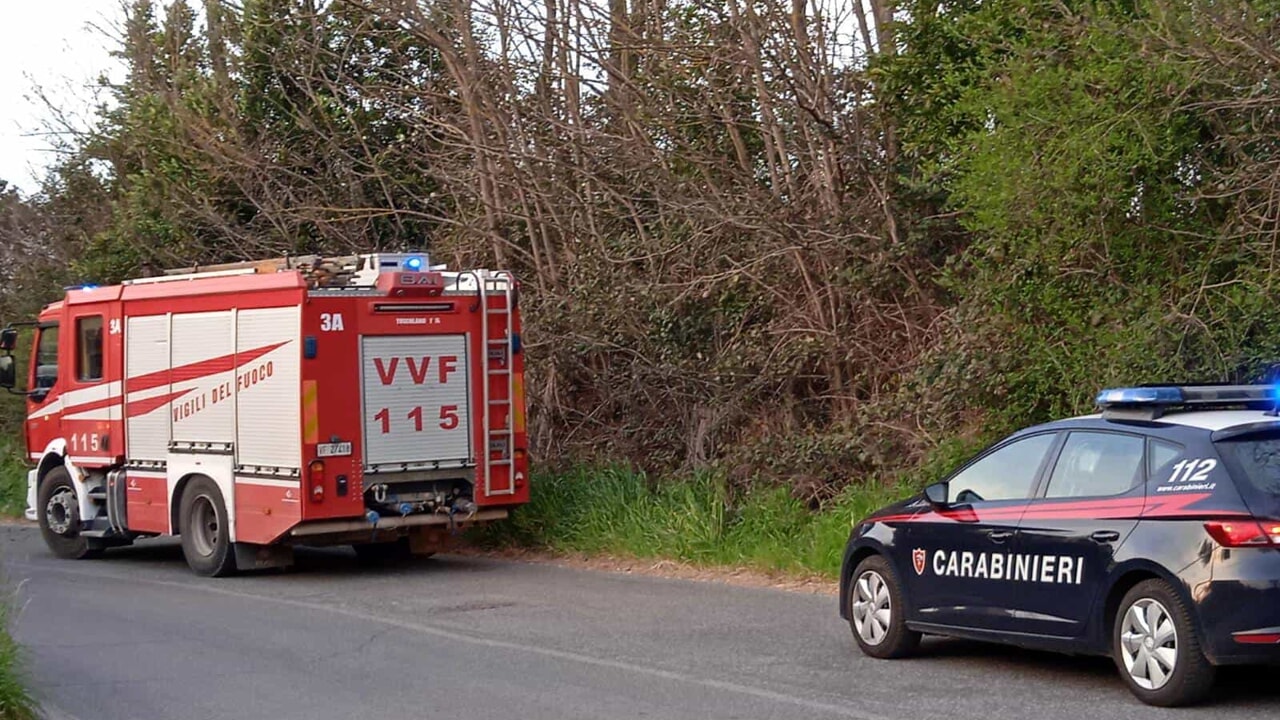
pixel 778 259
pixel 701 520
pixel 15 703
pixel 13 468
pixel 13 479
pixel 619 512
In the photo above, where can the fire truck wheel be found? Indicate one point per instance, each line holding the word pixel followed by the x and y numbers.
pixel 384 552
pixel 206 538
pixel 59 517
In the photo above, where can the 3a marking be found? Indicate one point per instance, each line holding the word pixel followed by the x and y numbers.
pixel 331 322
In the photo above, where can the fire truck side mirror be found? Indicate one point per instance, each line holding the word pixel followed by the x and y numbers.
pixel 8 339
pixel 8 373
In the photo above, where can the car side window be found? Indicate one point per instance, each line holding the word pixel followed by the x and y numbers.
pixel 1096 464
pixel 1005 474
pixel 1160 455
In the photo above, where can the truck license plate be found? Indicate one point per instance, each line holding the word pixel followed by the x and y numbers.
pixel 333 449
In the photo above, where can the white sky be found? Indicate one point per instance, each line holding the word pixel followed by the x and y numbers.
pixel 47 43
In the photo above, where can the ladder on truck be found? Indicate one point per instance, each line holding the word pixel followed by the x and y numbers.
pixel 499 362
pixel 319 271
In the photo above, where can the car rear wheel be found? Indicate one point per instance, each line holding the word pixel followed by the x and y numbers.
pixel 1157 649
pixel 876 611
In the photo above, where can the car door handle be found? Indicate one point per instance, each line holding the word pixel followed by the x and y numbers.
pixel 1105 536
pixel 1000 535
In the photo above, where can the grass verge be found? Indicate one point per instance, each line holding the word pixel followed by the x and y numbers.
pixel 15 702
pixel 620 512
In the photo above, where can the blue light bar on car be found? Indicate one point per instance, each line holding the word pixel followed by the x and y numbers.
pixel 1140 396
pixel 413 263
pixel 1201 396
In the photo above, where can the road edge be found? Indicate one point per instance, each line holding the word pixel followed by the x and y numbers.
pixel 737 576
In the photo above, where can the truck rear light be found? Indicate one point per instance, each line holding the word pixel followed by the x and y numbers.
pixel 315 476
pixel 1243 533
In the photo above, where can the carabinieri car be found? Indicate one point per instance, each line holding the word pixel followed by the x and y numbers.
pixel 1149 532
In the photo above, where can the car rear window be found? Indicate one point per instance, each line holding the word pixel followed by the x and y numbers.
pixel 1254 464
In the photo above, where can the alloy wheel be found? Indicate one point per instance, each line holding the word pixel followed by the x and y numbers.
pixel 1149 644
pixel 871 606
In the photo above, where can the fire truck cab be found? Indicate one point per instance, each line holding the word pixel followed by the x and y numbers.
pixel 372 400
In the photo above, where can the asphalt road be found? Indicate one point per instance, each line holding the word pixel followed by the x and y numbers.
pixel 135 636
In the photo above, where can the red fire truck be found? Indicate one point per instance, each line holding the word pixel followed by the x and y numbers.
pixel 370 400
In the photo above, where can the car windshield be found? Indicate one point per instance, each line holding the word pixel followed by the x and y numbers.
pixel 1254 463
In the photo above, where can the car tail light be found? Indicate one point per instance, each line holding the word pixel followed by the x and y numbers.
pixel 315 475
pixel 1244 533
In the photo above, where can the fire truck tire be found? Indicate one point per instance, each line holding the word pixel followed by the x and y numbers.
pixel 59 517
pixel 384 552
pixel 206 535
